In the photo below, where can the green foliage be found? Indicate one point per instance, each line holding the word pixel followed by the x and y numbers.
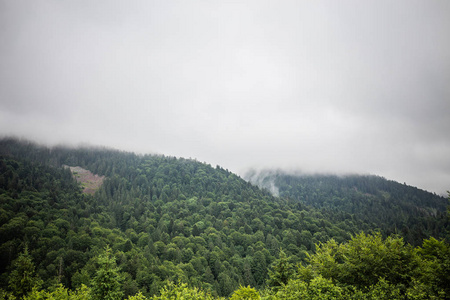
pixel 172 291
pixel 371 201
pixel 384 291
pixel 176 219
pixel 369 267
pixel 245 293
pixel 280 272
pixel 23 279
pixel 434 266
pixel 138 296
pixel 4 295
pixel 81 293
pixel 364 260
pixel 36 294
pixel 60 293
pixel 318 288
pixel 106 283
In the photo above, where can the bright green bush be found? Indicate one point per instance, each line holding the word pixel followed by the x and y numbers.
pixel 246 293
pixel 318 288
pixel 173 291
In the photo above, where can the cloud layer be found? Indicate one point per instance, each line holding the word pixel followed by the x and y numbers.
pixel 319 86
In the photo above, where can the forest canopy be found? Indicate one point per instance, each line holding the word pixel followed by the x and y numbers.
pixel 161 227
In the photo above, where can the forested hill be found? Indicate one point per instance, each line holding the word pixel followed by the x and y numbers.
pixel 385 204
pixel 164 218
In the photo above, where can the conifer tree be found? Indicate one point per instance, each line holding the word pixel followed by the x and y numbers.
pixel 280 272
pixel 107 281
pixel 22 279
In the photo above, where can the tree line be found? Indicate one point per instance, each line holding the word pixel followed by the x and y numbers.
pixel 365 267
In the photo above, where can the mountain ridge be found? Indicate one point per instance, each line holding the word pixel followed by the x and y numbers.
pixel 372 198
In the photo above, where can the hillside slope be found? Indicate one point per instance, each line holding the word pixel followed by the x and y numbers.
pixel 388 205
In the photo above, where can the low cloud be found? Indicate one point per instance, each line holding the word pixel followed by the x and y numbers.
pixel 317 86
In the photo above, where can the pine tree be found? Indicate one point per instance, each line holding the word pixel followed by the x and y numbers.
pixel 106 283
pixel 280 272
pixel 22 279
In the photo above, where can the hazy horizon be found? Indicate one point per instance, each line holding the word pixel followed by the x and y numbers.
pixel 321 87
pixel 246 173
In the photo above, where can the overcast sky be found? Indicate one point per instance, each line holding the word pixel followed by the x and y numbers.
pixel 320 86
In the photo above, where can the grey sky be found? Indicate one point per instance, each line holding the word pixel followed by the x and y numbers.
pixel 321 86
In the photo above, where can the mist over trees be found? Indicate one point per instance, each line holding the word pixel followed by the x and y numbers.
pixel 387 205
pixel 164 227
